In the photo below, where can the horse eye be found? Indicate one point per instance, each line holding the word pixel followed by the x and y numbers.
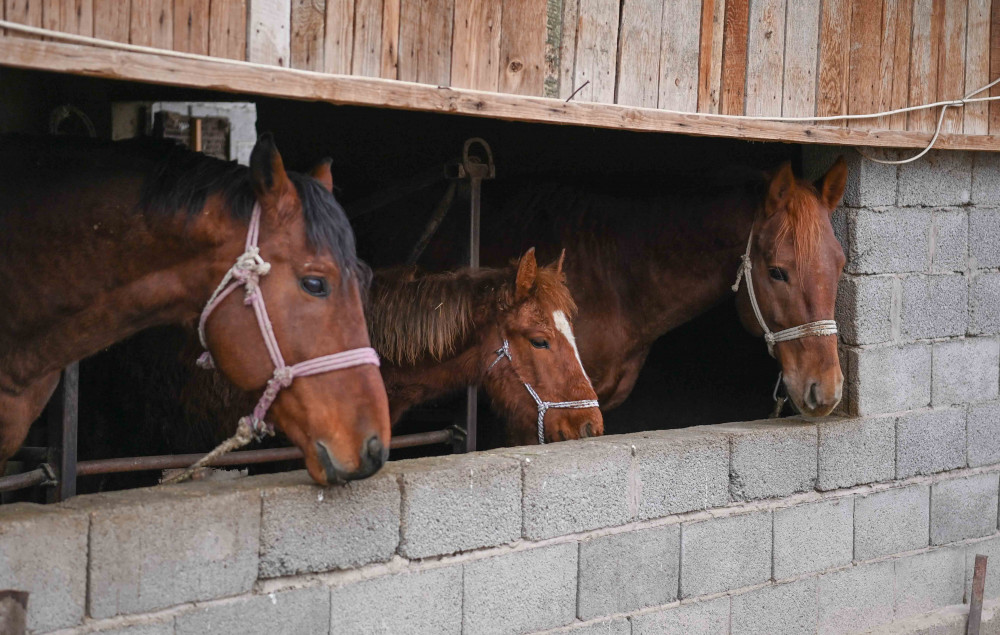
pixel 314 285
pixel 540 343
pixel 777 273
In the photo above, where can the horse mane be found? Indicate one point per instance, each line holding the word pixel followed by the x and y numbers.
pixel 802 220
pixel 414 316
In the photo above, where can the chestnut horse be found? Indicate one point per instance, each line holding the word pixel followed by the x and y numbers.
pixel 643 260
pixel 99 241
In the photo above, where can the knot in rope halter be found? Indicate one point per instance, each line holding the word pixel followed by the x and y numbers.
pixel 246 272
pixel 543 406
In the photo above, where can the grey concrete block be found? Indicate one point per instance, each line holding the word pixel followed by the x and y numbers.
pixel 928 581
pixel 574 486
pixel 150 549
pixel 162 627
pixel 856 451
pixel 869 184
pixel 520 592
pixel 940 178
pixel 613 626
pixel 770 458
pixel 966 371
pixel 934 306
pixel 297 611
pixel 984 227
pixel 839 221
pixel 43 550
pixel 680 470
pixel 984 303
pixel 984 434
pixel 422 603
pixel 461 502
pixel 929 441
pixel 985 179
pixel 991 549
pixel 297 516
pixel 726 553
pixel 628 571
pixel 891 521
pixel 890 241
pixel 888 379
pixel 855 599
pixel 697 618
pixel 776 610
pixel 950 240
pixel 813 537
pixel 864 306
pixel 964 508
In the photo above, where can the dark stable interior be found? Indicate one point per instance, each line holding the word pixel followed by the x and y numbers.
pixel 707 371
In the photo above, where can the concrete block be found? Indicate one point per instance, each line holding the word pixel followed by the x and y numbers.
pixel 856 451
pixel 891 521
pixel 983 427
pixel 984 303
pixel 163 627
pixel 461 502
pixel 855 599
pixel 628 571
pixel 813 537
pixel 929 581
pixel 966 371
pixel 613 626
pixel 574 486
pixel 295 534
pixel 680 470
pixel 297 611
pixel 940 178
pixel 869 184
pixel 964 508
pixel 991 549
pixel 864 305
pixel 43 550
pixel 985 179
pixel 888 379
pixel 150 549
pixel 929 441
pixel 984 248
pixel 934 306
pixel 422 603
pixel 520 592
pixel 890 241
pixel 697 618
pixel 950 240
pixel 782 609
pixel 771 459
pixel 726 553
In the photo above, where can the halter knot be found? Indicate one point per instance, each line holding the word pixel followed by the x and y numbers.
pixel 283 376
pixel 205 361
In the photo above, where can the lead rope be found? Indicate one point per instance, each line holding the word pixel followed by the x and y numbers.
pixel 246 273
pixel 543 406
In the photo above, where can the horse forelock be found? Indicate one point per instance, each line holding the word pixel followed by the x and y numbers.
pixel 801 221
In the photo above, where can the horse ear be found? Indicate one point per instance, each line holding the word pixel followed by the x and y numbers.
pixel 559 265
pixel 268 178
pixel 777 190
pixel 321 172
pixel 831 185
pixel 527 271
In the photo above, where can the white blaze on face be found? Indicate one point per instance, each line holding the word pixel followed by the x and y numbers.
pixel 562 325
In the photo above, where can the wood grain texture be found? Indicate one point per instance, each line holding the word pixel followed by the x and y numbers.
pixel 639 53
pixel 864 82
pixel 390 39
pixel 425 41
pixel 680 29
pixel 951 64
pixel 924 63
pixel 765 57
pixel 151 23
pixel 191 26
pixel 734 57
pixel 475 53
pixel 27 12
pixel 567 47
pixel 69 16
pixel 522 47
pixel 834 49
pixel 269 32
pixel 367 57
pixel 713 14
pixel 977 66
pixel 994 113
pixel 227 29
pixel 308 25
pixel 798 97
pixel 596 50
pixel 897 20
pixel 111 20
pixel 338 45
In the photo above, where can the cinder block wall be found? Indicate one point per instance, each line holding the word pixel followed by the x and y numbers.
pixel 866 521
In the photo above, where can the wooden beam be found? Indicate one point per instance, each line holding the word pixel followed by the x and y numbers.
pixel 93 61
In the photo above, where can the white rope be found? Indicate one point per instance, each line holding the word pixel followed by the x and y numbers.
pixel 944 105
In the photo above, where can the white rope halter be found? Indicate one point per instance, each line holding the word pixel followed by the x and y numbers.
pixel 817 328
pixel 543 406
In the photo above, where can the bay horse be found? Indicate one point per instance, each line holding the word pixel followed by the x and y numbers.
pixel 644 259
pixel 99 241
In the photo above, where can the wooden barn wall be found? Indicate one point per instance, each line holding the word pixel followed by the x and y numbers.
pixel 754 57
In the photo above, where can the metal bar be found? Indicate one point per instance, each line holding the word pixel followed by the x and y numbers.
pixel 62 421
pixel 976 605
pixel 23 480
pixel 13 612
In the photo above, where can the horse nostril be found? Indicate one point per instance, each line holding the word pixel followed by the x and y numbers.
pixel 376 452
pixel 812 395
pixel 587 431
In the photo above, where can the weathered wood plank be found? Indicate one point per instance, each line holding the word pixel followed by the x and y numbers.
pixel 713 14
pixel 338 45
pixel 894 62
pixel 269 32
pixel 191 26
pixel 596 50
pixel 111 20
pixel 995 65
pixel 27 12
pixel 924 63
pixel 679 56
pixel 567 47
pixel 69 16
pixel 308 25
pixel 553 43
pixel 227 29
pixel 864 61
pixel 977 65
pixel 766 57
pixel 390 39
pixel 801 47
pixel 734 57
pixel 834 49
pixel 367 57
pixel 639 53
pixel 425 41
pixel 951 67
pixel 475 53
pixel 151 23
pixel 522 47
